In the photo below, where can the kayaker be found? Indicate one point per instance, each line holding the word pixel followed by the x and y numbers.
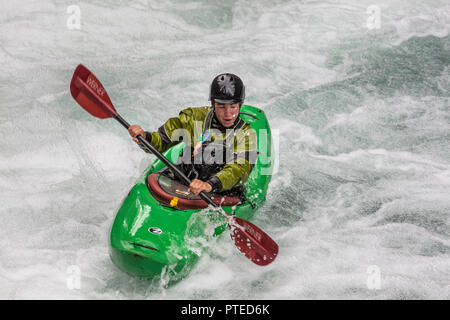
pixel 221 148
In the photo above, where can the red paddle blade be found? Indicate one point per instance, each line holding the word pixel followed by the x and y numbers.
pixel 88 91
pixel 253 242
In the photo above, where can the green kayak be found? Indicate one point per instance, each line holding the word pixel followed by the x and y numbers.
pixel 152 231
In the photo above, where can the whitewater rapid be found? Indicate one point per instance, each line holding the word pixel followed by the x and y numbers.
pixel 357 95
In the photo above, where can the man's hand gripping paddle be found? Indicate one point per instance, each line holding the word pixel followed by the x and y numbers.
pixel 87 90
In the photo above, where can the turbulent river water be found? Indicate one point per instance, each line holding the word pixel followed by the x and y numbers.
pixel 357 95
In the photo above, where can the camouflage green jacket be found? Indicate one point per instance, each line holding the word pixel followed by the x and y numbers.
pixel 198 127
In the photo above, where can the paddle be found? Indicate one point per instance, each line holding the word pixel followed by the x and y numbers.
pixel 87 90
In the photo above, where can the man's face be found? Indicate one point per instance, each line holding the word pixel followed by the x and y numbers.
pixel 226 113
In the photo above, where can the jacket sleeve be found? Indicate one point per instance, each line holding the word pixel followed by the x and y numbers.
pixel 237 171
pixel 172 132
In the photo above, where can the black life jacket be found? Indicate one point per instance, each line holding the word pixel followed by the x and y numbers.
pixel 212 156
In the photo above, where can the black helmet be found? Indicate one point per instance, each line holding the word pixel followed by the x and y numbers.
pixel 227 88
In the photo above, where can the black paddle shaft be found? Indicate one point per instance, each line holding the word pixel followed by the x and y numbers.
pixel 169 164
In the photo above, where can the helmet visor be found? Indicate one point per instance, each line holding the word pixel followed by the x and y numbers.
pixel 225 101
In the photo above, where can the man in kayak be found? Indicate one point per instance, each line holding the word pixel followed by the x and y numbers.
pixel 221 148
